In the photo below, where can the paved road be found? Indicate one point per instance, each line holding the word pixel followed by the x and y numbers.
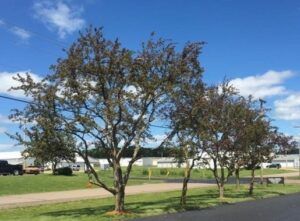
pixel 73 195
pixel 284 208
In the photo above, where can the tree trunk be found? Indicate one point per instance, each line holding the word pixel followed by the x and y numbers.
pixel 120 188
pixel 54 165
pixel 221 190
pixel 222 181
pixel 237 178
pixel 184 191
pixel 119 200
pixel 252 182
pixel 186 179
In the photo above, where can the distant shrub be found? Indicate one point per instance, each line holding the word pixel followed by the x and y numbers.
pixel 196 171
pixel 145 172
pixel 163 171
pixel 66 171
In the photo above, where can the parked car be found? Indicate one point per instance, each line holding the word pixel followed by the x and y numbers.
pixel 248 167
pixel 66 171
pixel 75 167
pixel 32 170
pixel 274 165
pixel 7 169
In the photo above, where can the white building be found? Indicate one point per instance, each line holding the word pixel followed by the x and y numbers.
pixel 15 157
pixel 287 161
pixel 80 162
pixel 145 161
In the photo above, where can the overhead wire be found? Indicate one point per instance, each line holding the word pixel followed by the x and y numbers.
pixel 55 42
pixel 30 102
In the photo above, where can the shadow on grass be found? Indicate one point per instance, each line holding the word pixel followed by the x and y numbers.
pixel 166 204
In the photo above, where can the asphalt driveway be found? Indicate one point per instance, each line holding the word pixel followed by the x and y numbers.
pixel 284 208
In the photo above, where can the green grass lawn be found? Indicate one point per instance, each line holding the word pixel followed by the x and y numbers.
pixel 47 182
pixel 140 205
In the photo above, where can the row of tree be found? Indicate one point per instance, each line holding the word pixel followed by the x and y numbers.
pixel 105 97
pixel 225 132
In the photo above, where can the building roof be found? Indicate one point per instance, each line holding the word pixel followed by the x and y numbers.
pixel 10 155
pixel 287 157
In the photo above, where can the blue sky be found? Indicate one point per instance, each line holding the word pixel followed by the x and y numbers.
pixel 254 43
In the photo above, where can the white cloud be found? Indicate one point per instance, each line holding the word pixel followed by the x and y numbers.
pixel 4 120
pixel 288 108
pixel 58 15
pixel 21 33
pixel 297 138
pixel 6 147
pixel 7 81
pixel 2 22
pixel 158 139
pixel 2 130
pixel 265 85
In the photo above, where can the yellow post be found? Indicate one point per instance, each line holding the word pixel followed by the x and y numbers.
pixel 168 173
pixel 149 173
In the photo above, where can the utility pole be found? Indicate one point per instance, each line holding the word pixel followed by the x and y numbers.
pixel 262 112
pixel 298 152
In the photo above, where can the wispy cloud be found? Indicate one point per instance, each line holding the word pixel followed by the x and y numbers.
pixel 59 16
pixel 7 81
pixel 264 85
pixel 21 33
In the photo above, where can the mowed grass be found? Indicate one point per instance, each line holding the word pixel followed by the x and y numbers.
pixel 47 182
pixel 141 205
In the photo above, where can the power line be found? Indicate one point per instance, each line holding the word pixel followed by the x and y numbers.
pixel 16 99
pixel 30 102
pixel 47 38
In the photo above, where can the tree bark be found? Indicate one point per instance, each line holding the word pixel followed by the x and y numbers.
pixel 251 187
pixel 221 190
pixel 120 188
pixel 237 178
pixel 184 191
pixel 222 182
pixel 187 176
pixel 54 165
pixel 119 200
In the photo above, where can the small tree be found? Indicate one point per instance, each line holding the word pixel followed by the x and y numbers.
pixel 40 124
pixel 185 114
pixel 218 133
pixel 258 140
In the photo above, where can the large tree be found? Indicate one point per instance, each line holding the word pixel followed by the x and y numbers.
pixel 107 96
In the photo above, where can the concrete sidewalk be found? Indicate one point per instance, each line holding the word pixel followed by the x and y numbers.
pixel 289 174
pixel 73 195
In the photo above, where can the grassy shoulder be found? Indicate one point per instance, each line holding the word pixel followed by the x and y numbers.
pixel 47 182
pixel 141 205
